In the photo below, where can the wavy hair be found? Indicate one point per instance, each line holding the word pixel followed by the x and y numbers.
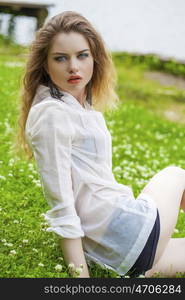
pixel 102 83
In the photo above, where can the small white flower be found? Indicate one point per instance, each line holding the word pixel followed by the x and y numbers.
pixel 141 276
pixel 176 230
pixel 71 266
pixel 11 162
pixel 117 169
pixel 30 176
pixel 10 174
pixel 30 166
pixel 25 241
pixel 8 244
pixel 13 252
pixel 34 172
pixel 44 223
pixel 138 126
pixel 41 265
pixel 58 268
pixel 35 250
pixel 13 64
pixel 78 271
pixel 3 241
pixel 61 258
pixel 2 177
pixel 181 210
pixel 15 221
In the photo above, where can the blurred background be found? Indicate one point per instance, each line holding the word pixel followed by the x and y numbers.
pixel 144 26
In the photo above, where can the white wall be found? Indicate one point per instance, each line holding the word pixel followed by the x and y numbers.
pixel 147 26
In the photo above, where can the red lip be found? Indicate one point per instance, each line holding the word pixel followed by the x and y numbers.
pixel 74 77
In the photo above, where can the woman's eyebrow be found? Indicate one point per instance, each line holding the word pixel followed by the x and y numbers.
pixel 61 53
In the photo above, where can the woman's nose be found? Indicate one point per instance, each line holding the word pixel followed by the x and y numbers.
pixel 73 66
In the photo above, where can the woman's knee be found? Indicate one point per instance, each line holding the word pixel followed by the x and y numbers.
pixel 165 177
pixel 174 170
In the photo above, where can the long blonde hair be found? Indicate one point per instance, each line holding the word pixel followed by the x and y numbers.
pixel 103 81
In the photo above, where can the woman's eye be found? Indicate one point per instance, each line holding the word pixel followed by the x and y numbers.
pixel 60 58
pixel 63 58
pixel 83 55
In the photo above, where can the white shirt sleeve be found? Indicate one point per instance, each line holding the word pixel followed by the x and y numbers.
pixel 49 132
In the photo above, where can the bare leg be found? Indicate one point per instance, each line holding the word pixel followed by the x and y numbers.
pixel 183 202
pixel 167 189
pixel 172 259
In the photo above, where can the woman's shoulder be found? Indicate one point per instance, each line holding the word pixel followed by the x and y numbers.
pixel 43 100
pixel 47 101
pixel 47 117
pixel 49 106
pixel 49 111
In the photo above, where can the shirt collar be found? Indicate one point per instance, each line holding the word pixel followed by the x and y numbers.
pixel 44 91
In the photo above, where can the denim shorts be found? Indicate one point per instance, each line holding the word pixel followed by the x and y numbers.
pixel 146 258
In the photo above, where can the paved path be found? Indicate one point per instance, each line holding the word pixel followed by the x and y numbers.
pixel 166 79
pixel 176 110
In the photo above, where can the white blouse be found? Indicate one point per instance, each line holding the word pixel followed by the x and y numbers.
pixel 72 148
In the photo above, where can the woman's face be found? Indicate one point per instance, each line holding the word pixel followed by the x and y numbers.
pixel 70 55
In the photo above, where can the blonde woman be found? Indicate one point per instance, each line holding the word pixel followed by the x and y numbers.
pixel 69 82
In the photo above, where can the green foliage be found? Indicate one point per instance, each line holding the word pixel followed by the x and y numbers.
pixel 152 62
pixel 132 84
pixel 143 144
pixel 8 47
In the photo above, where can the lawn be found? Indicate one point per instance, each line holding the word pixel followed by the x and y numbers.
pixel 144 142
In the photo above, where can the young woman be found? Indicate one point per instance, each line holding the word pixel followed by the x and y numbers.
pixel 69 82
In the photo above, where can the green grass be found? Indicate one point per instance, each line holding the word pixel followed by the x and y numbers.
pixel 143 144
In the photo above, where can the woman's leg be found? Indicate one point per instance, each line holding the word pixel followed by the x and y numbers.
pixel 167 189
pixel 183 201
pixel 172 259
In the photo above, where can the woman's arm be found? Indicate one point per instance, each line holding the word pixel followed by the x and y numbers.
pixel 50 132
pixel 73 253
